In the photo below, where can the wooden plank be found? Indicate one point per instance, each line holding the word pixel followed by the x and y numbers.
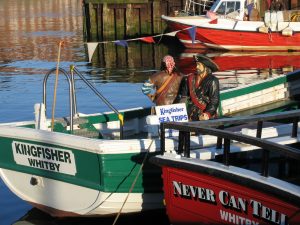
pixel 156 18
pixel 120 23
pixel 132 25
pixel 108 23
pixel 99 11
pixel 146 26
pixel 93 22
pixel 134 55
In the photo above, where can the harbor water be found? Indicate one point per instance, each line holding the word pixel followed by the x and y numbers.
pixel 30 33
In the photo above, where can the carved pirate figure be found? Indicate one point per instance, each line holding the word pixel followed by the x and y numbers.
pixel 162 87
pixel 202 90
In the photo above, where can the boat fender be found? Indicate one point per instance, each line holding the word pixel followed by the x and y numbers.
pixel 263 29
pixel 287 32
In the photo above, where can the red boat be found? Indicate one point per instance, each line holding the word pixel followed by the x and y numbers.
pixel 216 192
pixel 225 27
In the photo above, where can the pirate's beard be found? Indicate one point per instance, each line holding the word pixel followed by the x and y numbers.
pixel 200 72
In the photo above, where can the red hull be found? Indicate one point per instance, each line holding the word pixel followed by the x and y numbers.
pixel 236 40
pixel 221 201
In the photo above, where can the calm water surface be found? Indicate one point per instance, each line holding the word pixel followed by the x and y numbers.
pixel 30 33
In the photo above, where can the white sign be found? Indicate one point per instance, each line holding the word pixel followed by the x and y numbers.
pixel 44 157
pixel 172 113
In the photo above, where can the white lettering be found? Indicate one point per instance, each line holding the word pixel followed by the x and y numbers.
pixel 236 219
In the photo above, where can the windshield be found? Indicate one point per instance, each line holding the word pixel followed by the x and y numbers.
pixel 227 7
pixel 215 5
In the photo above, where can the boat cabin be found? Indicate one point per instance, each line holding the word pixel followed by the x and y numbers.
pixel 229 8
pixel 239 10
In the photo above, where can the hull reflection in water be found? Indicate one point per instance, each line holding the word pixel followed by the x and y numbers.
pixel 240 68
pixel 37 217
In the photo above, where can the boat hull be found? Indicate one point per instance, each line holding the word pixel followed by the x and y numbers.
pixel 67 175
pixel 199 198
pixel 229 38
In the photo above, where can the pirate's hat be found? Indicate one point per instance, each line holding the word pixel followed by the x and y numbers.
pixel 207 62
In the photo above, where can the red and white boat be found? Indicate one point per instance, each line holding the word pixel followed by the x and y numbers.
pixel 225 27
pixel 216 192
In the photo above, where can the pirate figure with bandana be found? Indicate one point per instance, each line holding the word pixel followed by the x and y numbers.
pixel 162 87
pixel 201 90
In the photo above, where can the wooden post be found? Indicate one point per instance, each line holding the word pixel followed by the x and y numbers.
pixel 132 21
pixel 108 23
pixel 93 22
pixel 120 17
pixel 156 19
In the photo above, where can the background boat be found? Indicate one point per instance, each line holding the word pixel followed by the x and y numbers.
pixel 225 26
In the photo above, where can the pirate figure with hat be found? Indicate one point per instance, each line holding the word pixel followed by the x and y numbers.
pixel 162 87
pixel 201 90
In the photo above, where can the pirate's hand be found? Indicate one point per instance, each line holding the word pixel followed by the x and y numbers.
pixel 204 116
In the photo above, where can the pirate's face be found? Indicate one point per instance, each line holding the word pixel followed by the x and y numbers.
pixel 200 68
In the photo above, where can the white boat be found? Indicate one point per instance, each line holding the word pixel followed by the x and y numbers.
pixel 96 164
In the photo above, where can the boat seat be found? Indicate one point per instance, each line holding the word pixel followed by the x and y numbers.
pixel 87 133
pixel 81 127
pixel 152 125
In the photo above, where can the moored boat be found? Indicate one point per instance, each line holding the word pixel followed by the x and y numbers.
pixel 87 164
pixel 225 27
pixel 199 191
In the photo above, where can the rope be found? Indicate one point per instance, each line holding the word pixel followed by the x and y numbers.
pixel 55 85
pixel 270 34
pixel 134 182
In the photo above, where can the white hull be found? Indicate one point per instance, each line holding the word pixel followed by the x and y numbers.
pixel 64 199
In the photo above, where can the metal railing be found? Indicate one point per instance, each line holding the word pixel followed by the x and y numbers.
pixel 72 95
pixel 70 92
pixel 212 127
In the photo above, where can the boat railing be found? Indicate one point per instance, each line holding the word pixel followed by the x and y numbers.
pixel 197 7
pixel 215 128
pixel 72 94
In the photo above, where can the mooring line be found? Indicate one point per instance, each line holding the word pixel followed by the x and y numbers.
pixel 134 182
pixel 55 85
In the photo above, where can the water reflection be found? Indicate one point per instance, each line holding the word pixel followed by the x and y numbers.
pixel 240 68
pixel 31 30
pixel 37 217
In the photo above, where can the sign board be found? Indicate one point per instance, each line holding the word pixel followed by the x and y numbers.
pixel 172 113
pixel 44 157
